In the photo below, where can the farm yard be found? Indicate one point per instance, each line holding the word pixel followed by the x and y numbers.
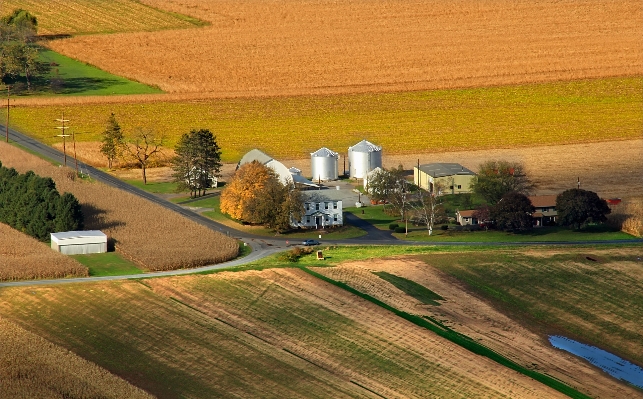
pixel 152 237
pixel 285 48
pixel 34 367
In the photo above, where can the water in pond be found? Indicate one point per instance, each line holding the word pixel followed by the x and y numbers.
pixel 611 364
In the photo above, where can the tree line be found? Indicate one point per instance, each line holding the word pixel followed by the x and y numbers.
pixel 31 204
pixel 19 55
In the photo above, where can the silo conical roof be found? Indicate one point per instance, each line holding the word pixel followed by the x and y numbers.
pixel 365 146
pixel 324 152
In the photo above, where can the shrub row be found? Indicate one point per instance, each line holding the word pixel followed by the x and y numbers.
pixel 31 204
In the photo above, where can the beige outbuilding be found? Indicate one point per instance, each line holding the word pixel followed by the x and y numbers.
pixel 452 177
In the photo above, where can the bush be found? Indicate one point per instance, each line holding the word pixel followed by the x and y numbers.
pixel 393 226
pixel 444 227
pixel 294 254
pixel 400 229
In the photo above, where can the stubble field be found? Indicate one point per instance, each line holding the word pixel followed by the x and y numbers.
pixel 152 237
pixel 293 47
pixel 275 333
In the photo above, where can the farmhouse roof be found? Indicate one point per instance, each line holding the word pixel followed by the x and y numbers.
pixel 365 146
pixel 325 153
pixel 324 195
pixel 70 235
pixel 543 201
pixel 445 169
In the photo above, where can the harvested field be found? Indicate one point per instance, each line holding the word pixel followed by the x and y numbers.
pixel 476 318
pixel 80 17
pixel 295 47
pixel 403 123
pixel 275 333
pixel 23 257
pixel 149 235
pixel 32 367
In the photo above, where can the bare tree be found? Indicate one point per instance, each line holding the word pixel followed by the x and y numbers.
pixel 428 207
pixel 143 147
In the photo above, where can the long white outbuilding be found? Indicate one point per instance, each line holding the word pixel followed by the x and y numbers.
pixel 79 242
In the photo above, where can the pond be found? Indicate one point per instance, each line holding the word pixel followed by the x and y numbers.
pixel 611 364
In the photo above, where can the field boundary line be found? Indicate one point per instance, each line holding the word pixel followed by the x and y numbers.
pixel 459 339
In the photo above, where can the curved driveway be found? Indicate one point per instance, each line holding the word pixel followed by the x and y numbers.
pixel 261 245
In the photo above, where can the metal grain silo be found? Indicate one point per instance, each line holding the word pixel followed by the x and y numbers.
pixel 362 158
pixel 323 164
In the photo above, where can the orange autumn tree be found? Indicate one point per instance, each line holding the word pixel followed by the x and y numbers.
pixel 244 187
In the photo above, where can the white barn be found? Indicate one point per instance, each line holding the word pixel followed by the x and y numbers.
pixel 79 242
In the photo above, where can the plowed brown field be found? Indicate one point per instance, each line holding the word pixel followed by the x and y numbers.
pixel 310 47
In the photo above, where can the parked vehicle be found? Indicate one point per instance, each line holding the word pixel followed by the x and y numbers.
pixel 310 242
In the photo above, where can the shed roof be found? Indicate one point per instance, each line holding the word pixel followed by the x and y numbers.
pixel 445 169
pixel 467 213
pixel 325 153
pixel 70 235
pixel 543 201
pixel 365 146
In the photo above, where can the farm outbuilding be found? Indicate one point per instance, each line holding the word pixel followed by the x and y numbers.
pixel 323 165
pixel 79 242
pixel 452 177
pixel 362 158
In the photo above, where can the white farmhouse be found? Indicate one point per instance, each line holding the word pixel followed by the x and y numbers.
pixel 323 209
pixel 79 242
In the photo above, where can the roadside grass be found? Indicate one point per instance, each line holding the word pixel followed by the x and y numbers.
pixel 541 234
pixel 107 264
pixel 154 187
pixel 580 111
pixel 69 77
pixel 593 295
pixel 375 215
pixel 458 339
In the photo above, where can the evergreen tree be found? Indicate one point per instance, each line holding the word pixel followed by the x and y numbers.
pixel 197 161
pixel 112 140
pixel 69 215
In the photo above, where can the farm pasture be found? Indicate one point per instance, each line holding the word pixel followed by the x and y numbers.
pixel 153 237
pixel 23 257
pixel 274 333
pixel 513 336
pixel 81 17
pixel 322 47
pixel 32 367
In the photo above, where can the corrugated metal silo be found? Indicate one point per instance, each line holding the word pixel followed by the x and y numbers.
pixel 362 158
pixel 323 164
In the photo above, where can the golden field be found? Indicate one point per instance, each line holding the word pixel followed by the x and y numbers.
pixel 146 233
pixel 80 17
pixel 32 367
pixel 294 47
pixel 402 123
pixel 271 334
pixel 23 257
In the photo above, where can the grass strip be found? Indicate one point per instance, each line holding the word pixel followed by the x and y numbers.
pixel 458 339
pixel 411 288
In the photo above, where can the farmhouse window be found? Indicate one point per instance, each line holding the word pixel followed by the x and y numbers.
pixel 307 206
pixel 325 205
pixel 450 187
pixel 335 217
pixel 317 206
pixel 307 219
pixel 334 205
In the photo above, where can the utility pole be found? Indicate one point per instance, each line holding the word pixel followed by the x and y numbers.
pixel 73 137
pixel 63 135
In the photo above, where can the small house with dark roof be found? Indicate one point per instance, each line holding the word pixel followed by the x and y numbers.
pixel 452 177
pixel 466 218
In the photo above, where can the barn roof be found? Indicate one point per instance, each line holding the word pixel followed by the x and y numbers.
pixel 445 169
pixel 255 155
pixel 365 146
pixel 70 235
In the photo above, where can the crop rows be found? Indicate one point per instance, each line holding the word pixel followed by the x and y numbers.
pixel 403 123
pixel 284 48
pixel 23 257
pixel 151 236
pixel 58 17
pixel 32 367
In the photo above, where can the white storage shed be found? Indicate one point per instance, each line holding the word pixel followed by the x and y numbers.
pixel 79 242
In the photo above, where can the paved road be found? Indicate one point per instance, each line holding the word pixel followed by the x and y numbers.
pixel 261 246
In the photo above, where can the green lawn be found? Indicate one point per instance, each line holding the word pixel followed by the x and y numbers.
pixel 79 79
pixel 542 234
pixel 375 215
pixel 154 187
pixel 107 264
